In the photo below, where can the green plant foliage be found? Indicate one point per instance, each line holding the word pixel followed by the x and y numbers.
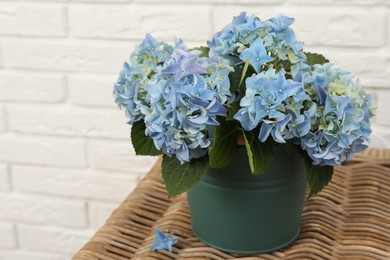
pixel 237 78
pixel 232 110
pixel 259 154
pixel 205 51
pixel 315 58
pixel 234 78
pixel 225 144
pixel 317 176
pixel 180 178
pixel 143 145
pixel 245 70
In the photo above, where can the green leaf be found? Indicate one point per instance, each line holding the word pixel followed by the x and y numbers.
pixel 237 77
pixel 259 154
pixel 317 176
pixel 180 178
pixel 245 70
pixel 315 58
pixel 205 51
pixel 143 145
pixel 288 146
pixel 225 144
pixel 232 110
pixel 234 78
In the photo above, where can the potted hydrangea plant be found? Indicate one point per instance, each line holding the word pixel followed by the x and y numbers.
pixel 243 124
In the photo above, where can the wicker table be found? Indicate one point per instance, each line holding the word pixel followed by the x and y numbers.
pixel 349 219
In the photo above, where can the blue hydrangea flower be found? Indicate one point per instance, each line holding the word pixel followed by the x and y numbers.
pixel 241 29
pixel 257 55
pixel 282 34
pixel 219 70
pixel 341 125
pixel 186 97
pixel 271 43
pixel 264 103
pixel 130 88
pixel 151 53
pixel 162 241
pixel 303 117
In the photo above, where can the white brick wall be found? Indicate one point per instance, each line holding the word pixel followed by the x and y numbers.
pixel 65 155
pixel 8 236
pixel 50 239
pixel 42 150
pixel 32 87
pixel 3 124
pixel 73 183
pixel 99 212
pixel 21 19
pixel 64 120
pixel 4 179
pixel 44 210
pixel 82 85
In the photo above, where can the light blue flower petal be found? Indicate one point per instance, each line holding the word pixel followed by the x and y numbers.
pixel 265 131
pixel 162 241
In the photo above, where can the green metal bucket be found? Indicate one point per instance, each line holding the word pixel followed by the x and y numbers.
pixel 234 211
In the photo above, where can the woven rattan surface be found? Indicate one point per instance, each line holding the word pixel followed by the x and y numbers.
pixel 349 219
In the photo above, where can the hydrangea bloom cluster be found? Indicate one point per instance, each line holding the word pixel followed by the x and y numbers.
pixel 266 103
pixel 341 120
pixel 129 90
pixel 176 93
pixel 180 93
pixel 186 97
pixel 268 44
pixel 327 113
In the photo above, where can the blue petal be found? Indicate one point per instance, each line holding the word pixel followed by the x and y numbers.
pixel 265 131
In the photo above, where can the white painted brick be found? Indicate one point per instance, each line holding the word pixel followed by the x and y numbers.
pixel 42 210
pixel 32 19
pixel 213 1
pixel 57 55
pixel 51 240
pixel 133 22
pixel 1 57
pixel 4 179
pixel 118 155
pixel 94 1
pixel 91 90
pixel 341 26
pixel 29 255
pixel 3 119
pixel 99 212
pixel 7 235
pixel 383 108
pixel 341 2
pixel 84 184
pixel 381 135
pixel 31 86
pixel 42 150
pixel 73 1
pixel 68 121
pixel 388 28
pixel 322 26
